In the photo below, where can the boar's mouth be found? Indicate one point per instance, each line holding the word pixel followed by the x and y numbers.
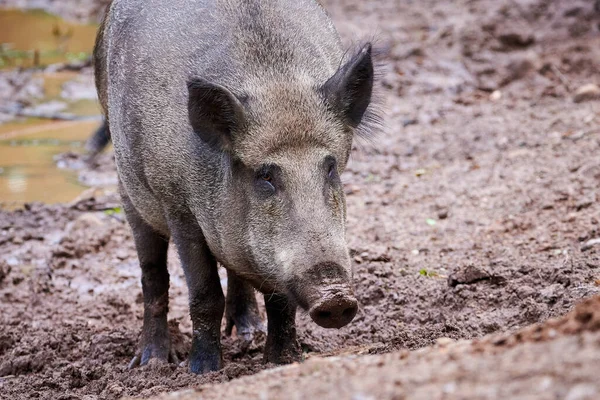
pixel 324 291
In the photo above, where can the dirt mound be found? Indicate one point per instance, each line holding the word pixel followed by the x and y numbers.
pixel 584 318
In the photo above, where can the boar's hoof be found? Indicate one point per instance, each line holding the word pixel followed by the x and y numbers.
pixel 282 350
pixel 149 352
pixel 334 312
pixel 248 327
pixel 205 355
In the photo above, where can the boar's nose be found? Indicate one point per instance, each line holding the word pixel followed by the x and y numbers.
pixel 334 311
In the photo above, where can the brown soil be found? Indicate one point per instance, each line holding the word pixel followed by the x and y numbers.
pixel 474 212
pixel 449 370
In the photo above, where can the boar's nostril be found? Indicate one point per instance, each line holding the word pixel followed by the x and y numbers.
pixel 349 312
pixel 334 312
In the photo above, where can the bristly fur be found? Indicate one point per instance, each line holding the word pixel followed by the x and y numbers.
pixel 372 121
pixel 272 211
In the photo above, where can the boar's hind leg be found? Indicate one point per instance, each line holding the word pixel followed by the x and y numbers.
pixel 282 346
pixel 241 309
pixel 205 294
pixel 152 253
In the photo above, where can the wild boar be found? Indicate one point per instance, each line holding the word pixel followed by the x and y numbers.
pixel 232 121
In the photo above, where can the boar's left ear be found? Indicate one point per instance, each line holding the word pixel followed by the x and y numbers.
pixel 214 112
pixel 349 90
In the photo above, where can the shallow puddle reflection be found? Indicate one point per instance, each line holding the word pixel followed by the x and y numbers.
pixel 27 168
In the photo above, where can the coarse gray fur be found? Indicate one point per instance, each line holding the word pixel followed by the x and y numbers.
pixel 275 57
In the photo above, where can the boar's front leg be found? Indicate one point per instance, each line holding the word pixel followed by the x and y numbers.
pixel 152 253
pixel 282 347
pixel 241 309
pixel 205 294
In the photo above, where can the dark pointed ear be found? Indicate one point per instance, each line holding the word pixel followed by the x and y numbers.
pixel 214 112
pixel 349 90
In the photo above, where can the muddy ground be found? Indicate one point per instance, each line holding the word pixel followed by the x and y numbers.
pixel 463 369
pixel 474 212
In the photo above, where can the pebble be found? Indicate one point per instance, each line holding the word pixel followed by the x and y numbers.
pixel 586 93
pixel 516 39
pixel 517 69
pixel 590 243
pixel 525 291
pixel 495 95
pixel 444 341
pixel 582 391
pixel 122 254
pixel 442 214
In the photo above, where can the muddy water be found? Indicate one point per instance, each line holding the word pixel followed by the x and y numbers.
pixel 27 168
pixel 27 148
pixel 28 171
pixel 81 102
pixel 30 38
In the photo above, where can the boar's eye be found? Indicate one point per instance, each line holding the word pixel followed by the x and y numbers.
pixel 331 172
pixel 331 167
pixel 265 179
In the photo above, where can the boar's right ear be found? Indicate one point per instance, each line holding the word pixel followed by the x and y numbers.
pixel 349 90
pixel 214 112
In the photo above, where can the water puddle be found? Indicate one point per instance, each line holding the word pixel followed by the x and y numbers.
pixel 36 38
pixel 75 91
pixel 28 146
pixel 27 168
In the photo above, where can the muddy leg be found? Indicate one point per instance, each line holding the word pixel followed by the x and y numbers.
pixel 152 253
pixel 282 346
pixel 205 294
pixel 241 309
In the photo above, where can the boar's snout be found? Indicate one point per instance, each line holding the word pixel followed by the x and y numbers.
pixel 336 309
pixel 324 290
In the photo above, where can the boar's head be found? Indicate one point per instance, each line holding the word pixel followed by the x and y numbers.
pixel 286 141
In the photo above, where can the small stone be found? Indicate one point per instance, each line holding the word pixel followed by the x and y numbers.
pixel 551 293
pixel 590 243
pixel 496 95
pixel 586 93
pixel 467 274
pixel 516 39
pixel 583 204
pixel 442 214
pixel 122 254
pixel 525 291
pixel 444 341
pixel 582 391
pixel 409 121
pixel 353 190
pixel 518 69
